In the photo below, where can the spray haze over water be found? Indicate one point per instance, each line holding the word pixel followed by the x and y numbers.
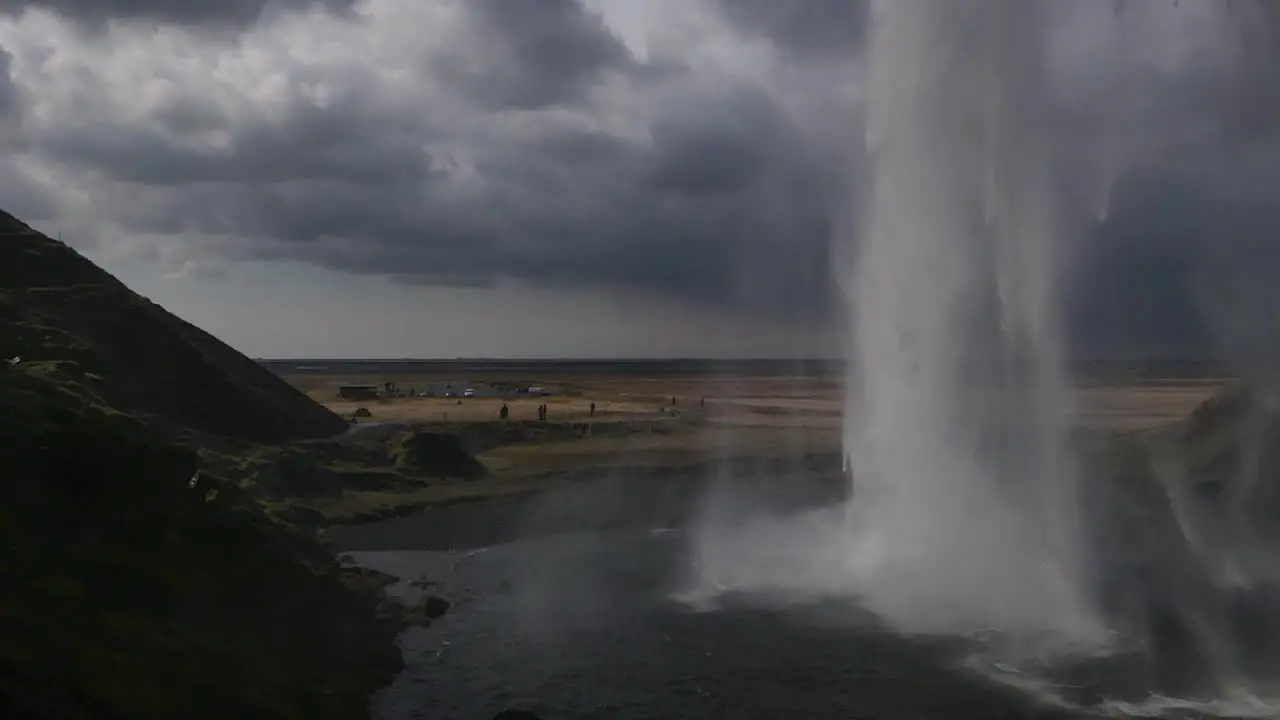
pixel 1130 588
pixel 964 517
pixel 964 489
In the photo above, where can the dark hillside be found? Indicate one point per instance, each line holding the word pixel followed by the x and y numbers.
pixel 137 581
pixel 135 587
pixel 57 305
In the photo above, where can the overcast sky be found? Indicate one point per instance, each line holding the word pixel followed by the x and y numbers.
pixel 439 178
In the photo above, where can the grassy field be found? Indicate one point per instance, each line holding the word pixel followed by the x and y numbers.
pixel 718 417
pixel 733 401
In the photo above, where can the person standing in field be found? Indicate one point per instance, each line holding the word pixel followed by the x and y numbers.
pixel 593 410
pixel 504 411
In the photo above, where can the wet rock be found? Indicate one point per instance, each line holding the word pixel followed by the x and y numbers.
pixel 302 518
pixel 368 577
pixel 388 609
pixel 426 609
pixel 433 606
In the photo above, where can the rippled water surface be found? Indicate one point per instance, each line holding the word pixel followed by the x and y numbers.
pixel 599 626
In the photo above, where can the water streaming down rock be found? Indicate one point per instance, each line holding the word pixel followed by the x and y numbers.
pixel 965 512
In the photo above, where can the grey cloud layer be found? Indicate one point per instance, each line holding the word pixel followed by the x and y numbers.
pixel 806 28
pixel 527 140
pixel 536 53
pixel 191 12
pixel 499 169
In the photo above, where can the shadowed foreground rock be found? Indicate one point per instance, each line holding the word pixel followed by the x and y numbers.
pixel 136 584
pixel 134 587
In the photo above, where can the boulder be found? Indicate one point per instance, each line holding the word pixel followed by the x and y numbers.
pixel 429 607
pixel 439 455
pixel 433 606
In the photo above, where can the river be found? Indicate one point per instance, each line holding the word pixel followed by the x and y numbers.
pixel 583 604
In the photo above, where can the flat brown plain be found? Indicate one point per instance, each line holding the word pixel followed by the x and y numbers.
pixel 719 416
pixel 786 402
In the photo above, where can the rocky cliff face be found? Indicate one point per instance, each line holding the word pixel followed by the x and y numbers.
pixel 135 584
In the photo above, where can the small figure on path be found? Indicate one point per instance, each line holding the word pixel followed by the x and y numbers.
pixel 593 410
pixel 673 401
pixel 504 411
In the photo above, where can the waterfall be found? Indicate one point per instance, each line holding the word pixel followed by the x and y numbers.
pixel 965 488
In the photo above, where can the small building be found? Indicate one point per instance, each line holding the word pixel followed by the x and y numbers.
pixel 358 392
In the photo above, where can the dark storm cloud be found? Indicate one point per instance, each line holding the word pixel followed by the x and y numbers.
pixel 9 94
pixel 537 53
pixel 721 146
pixel 723 194
pixel 185 12
pixel 21 195
pixel 1185 265
pixel 1257 90
pixel 1189 158
pixel 717 191
pixel 807 28
pixel 1134 281
pixel 353 138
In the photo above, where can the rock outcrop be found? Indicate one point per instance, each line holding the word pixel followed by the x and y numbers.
pixel 439 455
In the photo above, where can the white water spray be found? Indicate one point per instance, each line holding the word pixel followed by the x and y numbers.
pixel 965 508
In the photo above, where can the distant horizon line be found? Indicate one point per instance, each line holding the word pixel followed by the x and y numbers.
pixel 536 358
pixel 602 359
